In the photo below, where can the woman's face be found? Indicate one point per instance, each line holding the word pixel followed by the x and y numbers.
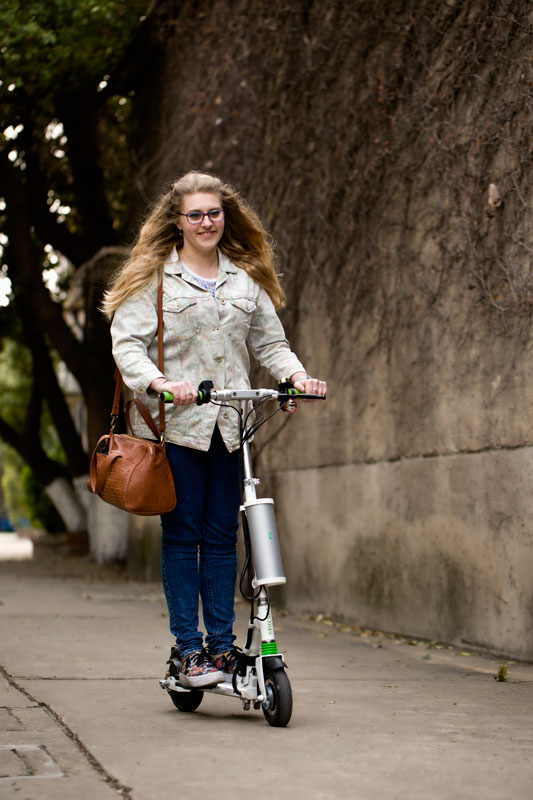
pixel 205 235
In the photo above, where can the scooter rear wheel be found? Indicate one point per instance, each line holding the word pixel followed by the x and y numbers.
pixel 186 701
pixel 277 707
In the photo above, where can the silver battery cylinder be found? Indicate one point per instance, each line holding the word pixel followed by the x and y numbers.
pixel 265 543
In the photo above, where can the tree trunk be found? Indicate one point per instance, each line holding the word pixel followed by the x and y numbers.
pixel 67 504
pixel 79 114
pixel 108 531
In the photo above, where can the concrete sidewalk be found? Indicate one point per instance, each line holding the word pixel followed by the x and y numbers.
pixel 375 716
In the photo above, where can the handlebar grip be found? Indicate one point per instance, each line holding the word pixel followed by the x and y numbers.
pixel 296 395
pixel 203 394
pixel 166 397
pixel 287 389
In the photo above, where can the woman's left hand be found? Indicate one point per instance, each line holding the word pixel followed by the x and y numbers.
pixel 309 385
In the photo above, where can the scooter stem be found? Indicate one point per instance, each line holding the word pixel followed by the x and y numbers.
pixel 249 481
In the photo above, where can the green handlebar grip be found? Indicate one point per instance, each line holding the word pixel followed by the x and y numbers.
pixel 168 397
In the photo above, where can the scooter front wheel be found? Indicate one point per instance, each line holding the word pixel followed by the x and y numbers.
pixel 186 701
pixel 277 705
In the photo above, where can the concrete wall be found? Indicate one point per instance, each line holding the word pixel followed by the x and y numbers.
pixel 367 137
pixel 438 547
pixel 418 518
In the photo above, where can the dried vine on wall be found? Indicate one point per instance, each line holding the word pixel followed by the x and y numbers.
pixel 367 135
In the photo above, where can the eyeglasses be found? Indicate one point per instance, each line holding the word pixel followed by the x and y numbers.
pixel 196 217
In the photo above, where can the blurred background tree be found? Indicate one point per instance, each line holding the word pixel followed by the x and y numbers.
pixel 21 489
pixel 65 166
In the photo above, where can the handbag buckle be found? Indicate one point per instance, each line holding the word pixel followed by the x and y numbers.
pixel 114 418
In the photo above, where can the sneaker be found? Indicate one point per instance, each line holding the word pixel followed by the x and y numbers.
pixel 227 662
pixel 198 671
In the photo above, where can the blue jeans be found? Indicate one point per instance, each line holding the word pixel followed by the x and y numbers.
pixel 199 554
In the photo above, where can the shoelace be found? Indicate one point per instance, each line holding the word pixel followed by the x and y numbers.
pixel 195 659
pixel 230 658
pixel 234 653
pixel 198 659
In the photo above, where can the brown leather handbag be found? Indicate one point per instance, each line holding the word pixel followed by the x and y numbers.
pixel 130 472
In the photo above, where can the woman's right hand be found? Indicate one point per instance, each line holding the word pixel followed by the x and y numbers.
pixel 183 391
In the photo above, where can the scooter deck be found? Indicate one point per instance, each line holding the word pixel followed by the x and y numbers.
pixel 248 691
pixel 170 684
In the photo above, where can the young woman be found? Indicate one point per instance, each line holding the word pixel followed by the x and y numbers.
pixel 220 295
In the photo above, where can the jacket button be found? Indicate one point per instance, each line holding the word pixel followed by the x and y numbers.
pixel 222 301
pixel 218 358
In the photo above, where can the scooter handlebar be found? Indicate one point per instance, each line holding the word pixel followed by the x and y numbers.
pixel 206 393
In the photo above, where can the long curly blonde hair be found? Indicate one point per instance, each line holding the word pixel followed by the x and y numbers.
pixel 244 241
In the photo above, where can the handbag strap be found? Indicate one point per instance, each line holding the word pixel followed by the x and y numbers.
pixel 116 398
pixel 145 414
pixel 98 471
pixel 161 364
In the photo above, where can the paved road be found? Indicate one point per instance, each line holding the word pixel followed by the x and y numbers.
pixel 82 715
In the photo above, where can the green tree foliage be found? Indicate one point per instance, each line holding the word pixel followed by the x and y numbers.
pixel 24 497
pixel 23 493
pixel 57 56
pixel 55 44
pixel 15 382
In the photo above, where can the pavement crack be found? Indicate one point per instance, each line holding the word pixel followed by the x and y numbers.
pixel 120 788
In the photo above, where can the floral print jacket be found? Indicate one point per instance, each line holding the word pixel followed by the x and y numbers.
pixel 204 338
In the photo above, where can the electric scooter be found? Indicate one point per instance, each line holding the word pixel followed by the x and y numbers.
pixel 260 680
